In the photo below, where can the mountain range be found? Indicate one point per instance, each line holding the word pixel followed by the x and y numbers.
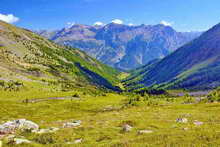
pixel 121 46
pixel 195 65
pixel 28 60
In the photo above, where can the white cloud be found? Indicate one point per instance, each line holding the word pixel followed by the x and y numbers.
pixel 117 21
pixel 70 24
pixel 130 24
pixel 166 23
pixel 98 23
pixel 10 18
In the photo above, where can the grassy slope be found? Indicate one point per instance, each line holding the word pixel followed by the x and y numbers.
pixel 31 59
pixel 132 81
pixel 196 65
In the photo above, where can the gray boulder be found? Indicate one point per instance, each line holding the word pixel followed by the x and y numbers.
pixel 20 124
pixel 127 128
pixel 76 141
pixel 21 141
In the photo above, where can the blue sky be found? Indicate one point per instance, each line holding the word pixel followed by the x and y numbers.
pixel 183 15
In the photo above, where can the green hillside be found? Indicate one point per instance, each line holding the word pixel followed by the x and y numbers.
pixel 132 81
pixel 28 60
pixel 196 65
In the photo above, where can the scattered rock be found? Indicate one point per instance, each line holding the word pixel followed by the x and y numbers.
pixel 50 130
pixel 76 141
pixel 145 131
pixel 20 141
pixel 181 120
pixel 198 123
pixel 20 124
pixel 198 99
pixel 72 124
pixel 108 108
pixel 127 128
pixel 185 129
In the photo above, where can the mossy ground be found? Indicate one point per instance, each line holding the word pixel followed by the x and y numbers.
pixel 103 114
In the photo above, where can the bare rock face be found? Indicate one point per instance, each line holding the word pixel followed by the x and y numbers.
pixel 20 124
pixel 122 46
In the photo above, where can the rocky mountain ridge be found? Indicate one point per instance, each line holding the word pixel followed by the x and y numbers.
pixel 122 46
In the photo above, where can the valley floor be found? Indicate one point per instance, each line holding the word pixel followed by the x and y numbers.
pixel 103 116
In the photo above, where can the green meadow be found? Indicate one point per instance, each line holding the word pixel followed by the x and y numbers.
pixel 104 113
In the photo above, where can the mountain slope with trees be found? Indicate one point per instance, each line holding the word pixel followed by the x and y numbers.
pixel 196 65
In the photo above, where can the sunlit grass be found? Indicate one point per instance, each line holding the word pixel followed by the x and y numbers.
pixel 102 116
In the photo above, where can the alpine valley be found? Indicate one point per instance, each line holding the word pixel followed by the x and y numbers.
pixel 110 85
pixel 195 65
